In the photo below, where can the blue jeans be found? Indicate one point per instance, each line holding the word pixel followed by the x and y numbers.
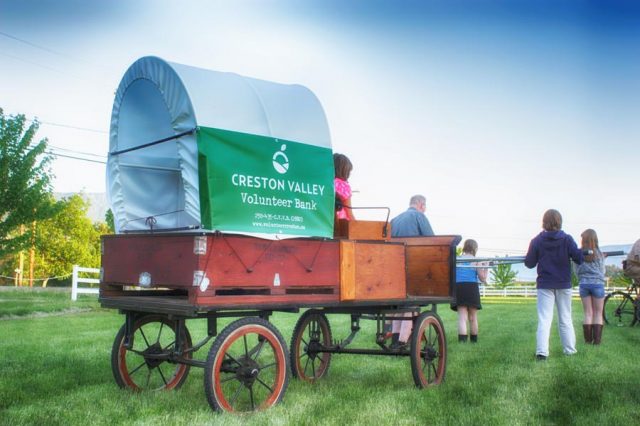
pixel 594 290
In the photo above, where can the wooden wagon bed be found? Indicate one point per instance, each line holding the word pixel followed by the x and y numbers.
pixel 189 274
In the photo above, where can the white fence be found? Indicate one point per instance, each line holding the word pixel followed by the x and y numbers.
pixel 77 280
pixel 528 291
pixel 518 290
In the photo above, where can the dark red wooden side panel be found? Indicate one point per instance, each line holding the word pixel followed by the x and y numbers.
pixel 246 262
pixel 237 269
pixel 169 259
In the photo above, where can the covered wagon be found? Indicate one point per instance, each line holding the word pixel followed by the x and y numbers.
pixel 222 192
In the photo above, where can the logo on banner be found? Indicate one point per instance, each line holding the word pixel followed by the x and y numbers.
pixel 281 161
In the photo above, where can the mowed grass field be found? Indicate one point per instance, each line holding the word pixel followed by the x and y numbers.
pixel 55 370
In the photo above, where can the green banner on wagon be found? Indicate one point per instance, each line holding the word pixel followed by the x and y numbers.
pixel 259 184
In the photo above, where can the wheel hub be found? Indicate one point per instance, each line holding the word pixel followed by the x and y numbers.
pixel 155 349
pixel 429 353
pixel 248 372
pixel 312 349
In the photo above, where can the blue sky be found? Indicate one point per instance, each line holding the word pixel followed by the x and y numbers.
pixel 494 110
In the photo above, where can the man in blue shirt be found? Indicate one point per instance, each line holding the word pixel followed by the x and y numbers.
pixel 412 222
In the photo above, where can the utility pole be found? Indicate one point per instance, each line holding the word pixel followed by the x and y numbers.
pixel 32 253
pixel 20 261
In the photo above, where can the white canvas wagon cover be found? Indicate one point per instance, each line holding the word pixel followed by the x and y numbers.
pixel 197 149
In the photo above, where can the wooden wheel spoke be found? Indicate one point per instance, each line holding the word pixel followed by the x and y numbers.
pixel 303 355
pixel 264 384
pixel 304 341
pixel 137 352
pixel 259 349
pixel 225 380
pixel 232 359
pixel 435 371
pixel 160 332
pixel 137 368
pixel 246 349
pixel 253 405
pixel 235 395
pixel 306 364
pixel 162 375
pixel 148 377
pixel 144 337
pixel 264 367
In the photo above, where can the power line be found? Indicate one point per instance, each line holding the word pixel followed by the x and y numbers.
pixel 68 126
pixel 75 158
pixel 46 49
pixel 32 63
pixel 73 151
pixel 50 149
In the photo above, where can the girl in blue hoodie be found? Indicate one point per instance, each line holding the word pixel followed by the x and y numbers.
pixel 552 251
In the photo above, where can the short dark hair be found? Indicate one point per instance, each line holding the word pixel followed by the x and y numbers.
pixel 342 166
pixel 552 220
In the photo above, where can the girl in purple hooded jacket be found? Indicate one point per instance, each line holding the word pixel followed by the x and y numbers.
pixel 552 251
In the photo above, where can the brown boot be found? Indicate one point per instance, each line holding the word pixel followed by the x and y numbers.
pixel 588 333
pixel 597 334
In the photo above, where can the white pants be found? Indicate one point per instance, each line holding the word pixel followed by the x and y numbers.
pixel 403 328
pixel 562 300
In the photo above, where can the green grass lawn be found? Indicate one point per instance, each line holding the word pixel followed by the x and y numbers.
pixel 56 370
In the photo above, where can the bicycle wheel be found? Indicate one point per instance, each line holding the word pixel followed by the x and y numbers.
pixel 619 309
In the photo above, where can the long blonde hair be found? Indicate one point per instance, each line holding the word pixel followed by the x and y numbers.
pixel 590 242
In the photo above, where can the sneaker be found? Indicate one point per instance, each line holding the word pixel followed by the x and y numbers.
pixel 541 357
pixel 399 346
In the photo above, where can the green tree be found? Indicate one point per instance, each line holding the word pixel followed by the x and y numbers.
pixel 110 221
pixel 25 183
pixel 502 275
pixel 69 238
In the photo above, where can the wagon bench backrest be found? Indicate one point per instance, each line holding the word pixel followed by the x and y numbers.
pixel 199 149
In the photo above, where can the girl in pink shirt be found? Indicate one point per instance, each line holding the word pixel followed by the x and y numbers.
pixel 343 169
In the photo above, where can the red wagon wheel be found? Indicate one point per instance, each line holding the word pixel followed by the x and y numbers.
pixel 428 350
pixel 310 333
pixel 142 367
pixel 246 369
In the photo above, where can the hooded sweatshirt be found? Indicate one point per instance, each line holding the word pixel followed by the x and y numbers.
pixel 552 252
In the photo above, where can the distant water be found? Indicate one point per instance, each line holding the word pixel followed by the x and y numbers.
pixel 529 275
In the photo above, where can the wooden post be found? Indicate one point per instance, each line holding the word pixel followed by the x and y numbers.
pixel 20 261
pixel 32 253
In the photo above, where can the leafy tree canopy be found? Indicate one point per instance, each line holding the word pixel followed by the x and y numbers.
pixel 68 238
pixel 25 182
pixel 502 275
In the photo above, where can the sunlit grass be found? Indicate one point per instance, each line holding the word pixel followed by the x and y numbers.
pixel 56 370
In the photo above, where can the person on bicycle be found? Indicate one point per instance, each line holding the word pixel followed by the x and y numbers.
pixel 631 266
pixel 591 278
